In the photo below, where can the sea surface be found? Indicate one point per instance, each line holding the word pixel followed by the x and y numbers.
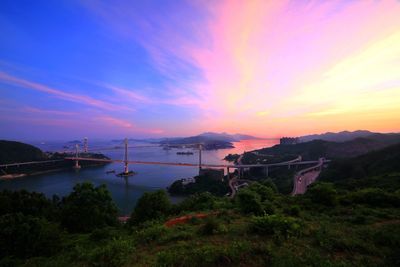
pixel 126 192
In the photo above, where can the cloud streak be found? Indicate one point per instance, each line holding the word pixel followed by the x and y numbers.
pixel 77 98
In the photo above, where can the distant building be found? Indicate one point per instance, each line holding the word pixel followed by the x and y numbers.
pixel 187 181
pixel 289 140
pixel 217 174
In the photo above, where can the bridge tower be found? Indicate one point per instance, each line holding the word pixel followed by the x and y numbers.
pixel 126 170
pixel 85 145
pixel 77 166
pixel 200 148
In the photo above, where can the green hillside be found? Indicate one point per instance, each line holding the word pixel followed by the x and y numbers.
pixel 319 148
pixel 375 169
pixel 11 151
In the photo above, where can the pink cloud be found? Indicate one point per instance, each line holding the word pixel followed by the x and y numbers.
pixel 258 56
pixel 82 99
pixel 111 121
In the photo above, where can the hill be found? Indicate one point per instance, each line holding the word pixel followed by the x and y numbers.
pixel 379 169
pixel 226 137
pixel 336 137
pixel 12 151
pixel 15 152
pixel 320 148
pixel 209 140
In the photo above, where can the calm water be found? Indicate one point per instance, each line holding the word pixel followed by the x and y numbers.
pixel 125 192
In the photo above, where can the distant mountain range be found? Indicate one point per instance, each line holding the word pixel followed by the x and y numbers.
pixel 209 140
pixel 226 136
pixel 336 137
pixel 207 137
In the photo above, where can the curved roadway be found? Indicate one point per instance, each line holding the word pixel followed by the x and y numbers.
pixel 305 177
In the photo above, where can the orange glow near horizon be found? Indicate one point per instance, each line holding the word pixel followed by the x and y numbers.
pixel 276 69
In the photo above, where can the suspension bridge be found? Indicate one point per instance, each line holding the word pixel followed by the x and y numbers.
pixel 78 157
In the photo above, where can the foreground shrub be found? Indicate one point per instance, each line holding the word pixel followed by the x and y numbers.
pixel 265 192
pixel 88 208
pixel 374 197
pixel 151 233
pixel 112 254
pixel 212 226
pixel 322 193
pixel 206 255
pixel 27 203
pixel 275 225
pixel 151 206
pixel 26 236
pixel 249 202
pixel 197 202
pixel 293 210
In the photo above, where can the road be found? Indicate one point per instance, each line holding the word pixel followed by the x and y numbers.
pixel 305 177
pixel 305 180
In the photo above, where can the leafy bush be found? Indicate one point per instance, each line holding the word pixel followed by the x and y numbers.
pixel 151 206
pixel 114 253
pixel 265 192
pixel 387 235
pixel 206 255
pixel 27 203
pixel 151 233
pixel 374 197
pixel 100 234
pixel 293 210
pixel 26 236
pixel 269 183
pixel 322 193
pixel 249 202
pixel 212 226
pixel 177 234
pixel 197 202
pixel 275 225
pixel 87 208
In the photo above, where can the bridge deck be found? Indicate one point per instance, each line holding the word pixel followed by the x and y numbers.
pixel 195 164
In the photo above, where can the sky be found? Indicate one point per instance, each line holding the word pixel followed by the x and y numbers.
pixel 112 69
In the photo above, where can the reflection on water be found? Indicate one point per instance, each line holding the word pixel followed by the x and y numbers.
pixel 125 192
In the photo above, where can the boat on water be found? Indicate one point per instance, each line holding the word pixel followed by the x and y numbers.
pixel 184 153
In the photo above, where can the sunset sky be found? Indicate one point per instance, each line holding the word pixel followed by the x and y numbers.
pixel 110 69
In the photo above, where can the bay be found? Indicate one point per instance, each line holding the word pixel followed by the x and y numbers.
pixel 126 192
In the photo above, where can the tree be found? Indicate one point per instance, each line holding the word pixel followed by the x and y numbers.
pixel 151 206
pixel 27 203
pixel 88 208
pixel 26 236
pixel 323 193
pixel 249 202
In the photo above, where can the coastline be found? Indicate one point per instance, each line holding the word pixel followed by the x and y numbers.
pixel 20 175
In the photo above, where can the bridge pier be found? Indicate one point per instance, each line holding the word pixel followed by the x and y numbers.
pixel 200 148
pixel 266 171
pixel 126 169
pixel 77 166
